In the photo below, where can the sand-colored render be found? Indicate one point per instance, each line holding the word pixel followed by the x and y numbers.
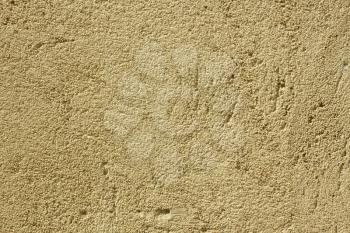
pixel 164 116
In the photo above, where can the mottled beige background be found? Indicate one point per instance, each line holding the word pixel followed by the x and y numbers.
pixel 174 116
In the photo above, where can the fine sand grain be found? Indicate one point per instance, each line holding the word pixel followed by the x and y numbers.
pixel 162 116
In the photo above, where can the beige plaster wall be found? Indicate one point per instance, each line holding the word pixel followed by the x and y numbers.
pixel 174 116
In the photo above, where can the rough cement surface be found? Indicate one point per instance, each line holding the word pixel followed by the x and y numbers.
pixel 174 116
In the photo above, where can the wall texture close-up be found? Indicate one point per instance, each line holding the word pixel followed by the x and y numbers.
pixel 163 116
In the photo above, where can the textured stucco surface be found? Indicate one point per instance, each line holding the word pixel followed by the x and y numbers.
pixel 174 116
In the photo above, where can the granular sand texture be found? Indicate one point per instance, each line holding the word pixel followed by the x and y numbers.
pixel 159 116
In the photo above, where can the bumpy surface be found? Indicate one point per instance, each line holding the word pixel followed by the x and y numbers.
pixel 174 116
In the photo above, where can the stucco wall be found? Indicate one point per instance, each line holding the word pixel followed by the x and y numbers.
pixel 174 116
